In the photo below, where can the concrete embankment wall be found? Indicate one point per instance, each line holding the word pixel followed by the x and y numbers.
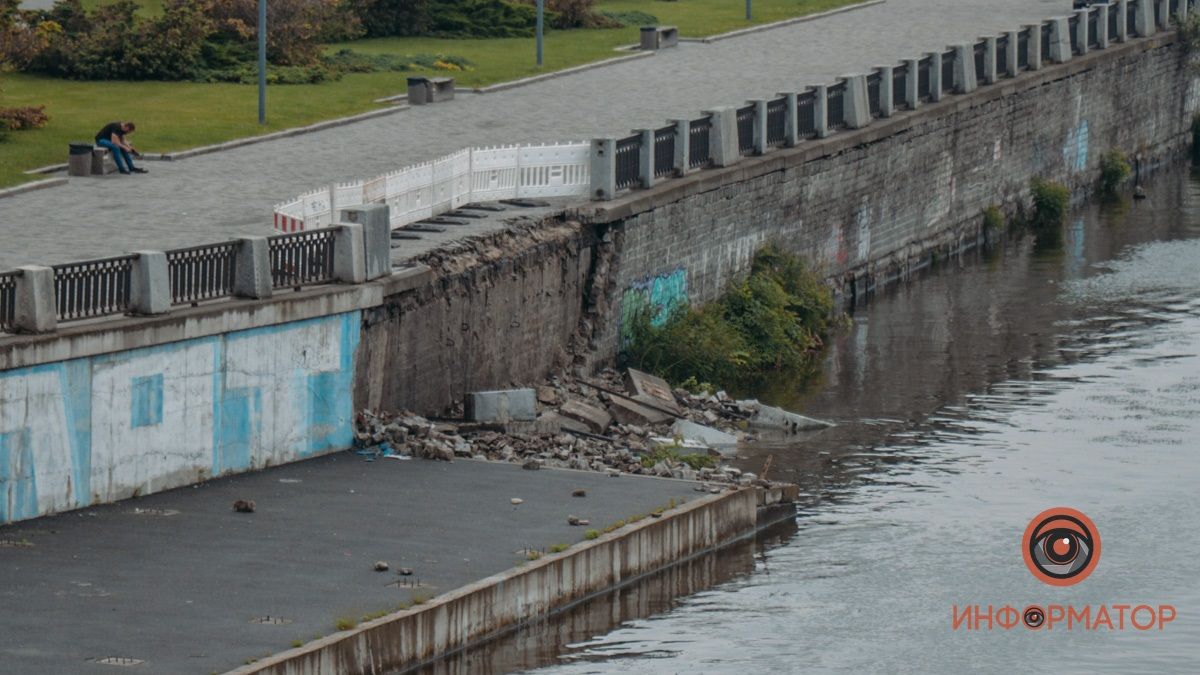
pixel 100 411
pixel 491 606
pixel 868 206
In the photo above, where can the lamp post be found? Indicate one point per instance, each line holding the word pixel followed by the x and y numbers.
pixel 262 61
pixel 748 13
pixel 541 5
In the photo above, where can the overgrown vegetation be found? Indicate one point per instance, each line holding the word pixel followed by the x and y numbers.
pixel 591 534
pixel 993 218
pixel 1188 31
pixel 673 453
pixel 1050 202
pixel 1114 169
pixel 345 623
pixel 773 320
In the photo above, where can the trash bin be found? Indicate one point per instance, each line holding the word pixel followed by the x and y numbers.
pixel 79 162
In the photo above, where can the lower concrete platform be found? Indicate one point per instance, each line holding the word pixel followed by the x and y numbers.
pixel 176 580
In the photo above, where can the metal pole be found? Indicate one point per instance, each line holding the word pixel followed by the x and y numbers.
pixel 262 61
pixel 541 5
pixel 748 12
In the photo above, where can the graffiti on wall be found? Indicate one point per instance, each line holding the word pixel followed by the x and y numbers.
pixel 658 295
pixel 1075 148
pixel 97 429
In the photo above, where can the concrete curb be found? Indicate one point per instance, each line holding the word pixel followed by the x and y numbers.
pixel 558 73
pixel 30 187
pixel 502 602
pixel 780 24
pixel 286 133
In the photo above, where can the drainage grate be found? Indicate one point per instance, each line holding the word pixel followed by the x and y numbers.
pixel 271 620
pixel 117 661
pixel 15 543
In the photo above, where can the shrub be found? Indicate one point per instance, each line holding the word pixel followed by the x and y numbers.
pixel 993 218
pixel 631 18
pixel 296 28
pixel 384 18
pixel 574 14
pixel 19 119
pixel 773 320
pixel 591 534
pixel 482 18
pixel 1114 169
pixel 1050 201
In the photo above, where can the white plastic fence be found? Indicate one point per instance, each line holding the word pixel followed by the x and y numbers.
pixel 472 175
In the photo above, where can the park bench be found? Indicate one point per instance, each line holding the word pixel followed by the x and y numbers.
pixel 659 37
pixel 422 90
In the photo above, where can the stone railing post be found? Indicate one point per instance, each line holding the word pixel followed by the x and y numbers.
pixel 1034 46
pixel 856 103
pixel 935 77
pixel 1182 12
pixel 886 100
pixel 723 137
pixel 252 271
pixel 646 157
pixel 348 265
pixel 760 126
pixel 150 284
pixel 1143 18
pixel 1102 36
pixel 821 110
pixel 34 310
pixel 912 83
pixel 683 146
pixel 964 68
pixel 1162 11
pixel 1121 7
pixel 376 234
pixel 1013 53
pixel 1081 30
pixel 604 168
pixel 989 61
pixel 791 118
pixel 1060 40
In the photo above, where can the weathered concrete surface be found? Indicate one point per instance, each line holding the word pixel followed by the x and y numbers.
pixel 526 594
pixel 179 591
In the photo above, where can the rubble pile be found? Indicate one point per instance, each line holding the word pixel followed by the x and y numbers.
pixel 610 423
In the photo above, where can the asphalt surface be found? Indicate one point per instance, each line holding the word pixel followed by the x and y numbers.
pixel 175 579
pixel 213 197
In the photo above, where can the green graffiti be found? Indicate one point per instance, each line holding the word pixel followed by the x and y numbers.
pixel 658 294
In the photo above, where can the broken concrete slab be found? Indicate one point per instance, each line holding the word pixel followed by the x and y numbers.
pixel 552 422
pixel 595 418
pixel 547 395
pixel 684 446
pixel 714 438
pixel 630 412
pixel 770 417
pixel 651 389
pixel 501 406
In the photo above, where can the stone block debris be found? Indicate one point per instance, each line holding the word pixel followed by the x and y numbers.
pixel 770 417
pixel 651 390
pixel 597 419
pixel 501 406
pixel 626 411
pixel 714 438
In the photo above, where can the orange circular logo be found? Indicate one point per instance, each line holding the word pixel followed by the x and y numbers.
pixel 1061 546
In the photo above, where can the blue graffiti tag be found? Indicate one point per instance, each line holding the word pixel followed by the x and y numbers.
pixel 659 294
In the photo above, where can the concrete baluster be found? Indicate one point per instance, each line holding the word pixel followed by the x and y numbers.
pixel 34 309
pixel 1081 31
pixel 252 277
pixel 1060 40
pixel 1011 58
pixel 150 284
pixel 604 168
pixel 821 110
pixel 912 83
pixel 375 220
pixel 1122 9
pixel 1034 46
pixel 723 137
pixel 646 157
pixel 683 146
pixel 989 61
pixel 760 125
pixel 935 77
pixel 856 105
pixel 964 68
pixel 791 119
pixel 886 74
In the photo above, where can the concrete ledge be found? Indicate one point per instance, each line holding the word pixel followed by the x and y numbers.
pixel 114 334
pixel 780 24
pixel 558 73
pixel 637 201
pixel 35 185
pixel 503 602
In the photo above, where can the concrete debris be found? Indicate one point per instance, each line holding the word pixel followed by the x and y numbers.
pixel 501 406
pixel 579 492
pixel 516 501
pixel 770 417
pixel 572 520
pixel 381 566
pixel 244 506
pixel 584 423
pixel 405 571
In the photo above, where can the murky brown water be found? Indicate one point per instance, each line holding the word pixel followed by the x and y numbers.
pixel 968 401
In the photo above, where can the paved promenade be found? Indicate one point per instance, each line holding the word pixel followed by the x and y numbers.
pixel 175 579
pixel 212 197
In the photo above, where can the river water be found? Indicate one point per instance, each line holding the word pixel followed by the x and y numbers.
pixel 967 402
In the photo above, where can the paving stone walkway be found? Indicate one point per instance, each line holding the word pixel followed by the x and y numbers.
pixel 213 197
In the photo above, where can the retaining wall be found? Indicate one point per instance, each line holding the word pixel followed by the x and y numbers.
pixel 502 602
pixel 871 205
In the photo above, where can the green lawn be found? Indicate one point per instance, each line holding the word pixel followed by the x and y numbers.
pixel 174 116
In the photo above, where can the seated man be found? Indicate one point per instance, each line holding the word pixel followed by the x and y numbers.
pixel 112 136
